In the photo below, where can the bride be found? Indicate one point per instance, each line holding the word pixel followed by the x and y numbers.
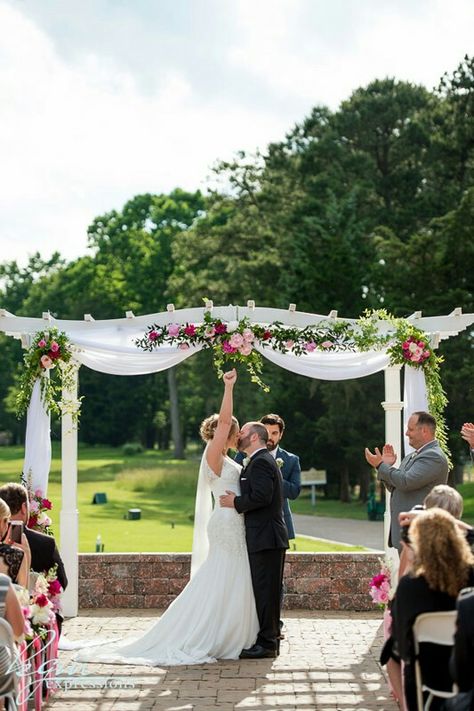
pixel 215 616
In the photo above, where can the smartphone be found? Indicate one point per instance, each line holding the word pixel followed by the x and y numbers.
pixel 16 531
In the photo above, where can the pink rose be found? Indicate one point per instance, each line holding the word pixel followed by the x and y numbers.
pixel 327 344
pixel 34 507
pixel 220 328
pixel 42 343
pixel 248 335
pixel 190 330
pixel 310 346
pixel 153 335
pixel 289 344
pixel 210 332
pixel 183 346
pixel 236 340
pixel 246 349
pixel 54 347
pixel 173 329
pixel 46 362
pixel 39 492
pixel 227 348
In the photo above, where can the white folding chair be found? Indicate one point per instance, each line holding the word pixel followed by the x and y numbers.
pixel 436 628
pixel 8 662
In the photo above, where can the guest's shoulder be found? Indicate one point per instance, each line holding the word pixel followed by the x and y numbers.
pixel 285 454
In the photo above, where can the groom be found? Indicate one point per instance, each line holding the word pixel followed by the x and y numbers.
pixel 261 501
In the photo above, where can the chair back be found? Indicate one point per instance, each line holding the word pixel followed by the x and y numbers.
pixel 8 664
pixel 434 628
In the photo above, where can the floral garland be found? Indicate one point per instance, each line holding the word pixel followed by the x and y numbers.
pixel 49 349
pixel 235 342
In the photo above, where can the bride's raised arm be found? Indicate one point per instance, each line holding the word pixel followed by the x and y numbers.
pixel 218 445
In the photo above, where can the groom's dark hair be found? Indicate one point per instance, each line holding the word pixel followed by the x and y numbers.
pixel 260 430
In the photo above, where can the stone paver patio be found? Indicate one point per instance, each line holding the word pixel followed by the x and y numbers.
pixel 328 662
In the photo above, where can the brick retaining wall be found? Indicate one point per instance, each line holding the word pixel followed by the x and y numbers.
pixel 314 581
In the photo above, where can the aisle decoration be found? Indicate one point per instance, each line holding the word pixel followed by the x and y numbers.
pixel 49 359
pixel 236 342
pixel 380 588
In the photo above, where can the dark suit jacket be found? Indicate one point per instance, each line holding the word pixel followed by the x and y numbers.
pixel 291 473
pixel 45 555
pixel 261 500
pixel 463 654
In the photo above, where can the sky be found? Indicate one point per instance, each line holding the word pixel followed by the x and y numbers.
pixel 101 100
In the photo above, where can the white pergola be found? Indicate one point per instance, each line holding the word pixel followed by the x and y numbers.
pixel 108 346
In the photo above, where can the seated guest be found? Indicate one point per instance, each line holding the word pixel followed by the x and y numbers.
pixel 462 659
pixel 44 552
pixel 442 566
pixel 10 608
pixel 13 557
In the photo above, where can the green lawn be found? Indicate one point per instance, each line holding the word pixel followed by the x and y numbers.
pixel 163 488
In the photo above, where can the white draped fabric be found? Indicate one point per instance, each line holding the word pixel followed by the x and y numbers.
pixel 415 397
pixel 37 442
pixel 329 366
pixel 129 360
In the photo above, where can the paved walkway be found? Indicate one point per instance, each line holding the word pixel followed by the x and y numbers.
pixel 328 662
pixel 343 530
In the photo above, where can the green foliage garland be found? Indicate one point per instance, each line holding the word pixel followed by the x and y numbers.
pixel 49 358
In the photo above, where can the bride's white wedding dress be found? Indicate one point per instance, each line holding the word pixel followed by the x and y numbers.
pixel 215 616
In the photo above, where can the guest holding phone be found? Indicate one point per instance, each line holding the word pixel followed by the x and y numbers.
pixel 14 556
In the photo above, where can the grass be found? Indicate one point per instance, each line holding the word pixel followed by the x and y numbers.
pixel 162 487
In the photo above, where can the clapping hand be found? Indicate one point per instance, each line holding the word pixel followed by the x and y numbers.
pixel 467 433
pixel 387 456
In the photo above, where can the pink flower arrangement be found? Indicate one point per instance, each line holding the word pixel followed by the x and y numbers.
pixel 415 351
pixel 39 507
pixel 380 587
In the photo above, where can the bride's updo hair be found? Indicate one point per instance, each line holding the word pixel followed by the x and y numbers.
pixel 208 427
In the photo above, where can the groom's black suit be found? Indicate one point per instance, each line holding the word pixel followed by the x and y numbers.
pixel 261 501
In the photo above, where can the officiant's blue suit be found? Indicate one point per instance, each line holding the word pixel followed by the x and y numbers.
pixel 291 473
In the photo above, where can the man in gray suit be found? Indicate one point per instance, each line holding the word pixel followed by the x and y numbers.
pixel 418 472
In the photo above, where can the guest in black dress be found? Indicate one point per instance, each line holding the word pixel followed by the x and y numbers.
pixel 443 564
pixel 14 557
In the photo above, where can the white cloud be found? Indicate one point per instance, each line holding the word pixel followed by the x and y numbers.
pixel 82 132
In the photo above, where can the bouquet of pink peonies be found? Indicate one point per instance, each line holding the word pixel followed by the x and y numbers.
pixel 415 351
pixel 40 507
pixel 380 589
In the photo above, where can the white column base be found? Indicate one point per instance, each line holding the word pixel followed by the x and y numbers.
pixel 69 526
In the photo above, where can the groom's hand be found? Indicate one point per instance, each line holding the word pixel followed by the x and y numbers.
pixel 227 500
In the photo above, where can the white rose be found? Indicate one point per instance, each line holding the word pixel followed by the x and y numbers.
pixel 232 326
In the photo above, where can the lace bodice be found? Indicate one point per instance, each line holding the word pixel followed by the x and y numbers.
pixel 228 479
pixel 226 528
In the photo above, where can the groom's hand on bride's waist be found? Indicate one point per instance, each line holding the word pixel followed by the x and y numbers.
pixel 227 499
